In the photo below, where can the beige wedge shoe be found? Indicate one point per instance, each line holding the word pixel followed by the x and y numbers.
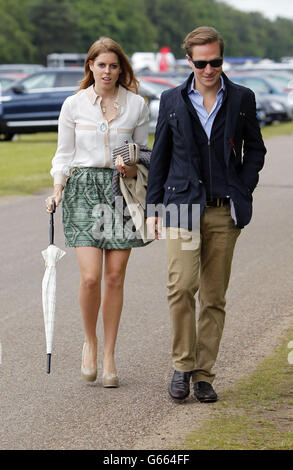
pixel 110 381
pixel 90 374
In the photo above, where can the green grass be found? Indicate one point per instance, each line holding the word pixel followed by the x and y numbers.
pixel 284 128
pixel 239 433
pixel 25 163
pixel 257 414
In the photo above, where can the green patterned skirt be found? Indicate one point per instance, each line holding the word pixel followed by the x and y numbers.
pixel 90 218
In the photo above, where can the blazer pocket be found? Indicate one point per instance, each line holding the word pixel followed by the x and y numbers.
pixel 176 188
pixel 175 192
pixel 173 123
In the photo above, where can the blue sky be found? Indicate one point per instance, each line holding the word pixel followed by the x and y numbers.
pixel 269 8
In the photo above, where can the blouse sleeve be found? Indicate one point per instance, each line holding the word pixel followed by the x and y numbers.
pixel 141 131
pixel 66 145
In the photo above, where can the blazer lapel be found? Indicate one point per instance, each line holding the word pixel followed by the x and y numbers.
pixel 185 114
pixel 187 129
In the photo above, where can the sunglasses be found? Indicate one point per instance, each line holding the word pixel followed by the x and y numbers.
pixel 201 64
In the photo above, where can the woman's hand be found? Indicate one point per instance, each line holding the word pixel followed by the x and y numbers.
pixel 56 196
pixel 125 170
pixel 154 227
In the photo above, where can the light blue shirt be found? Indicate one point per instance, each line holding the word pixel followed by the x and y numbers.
pixel 205 118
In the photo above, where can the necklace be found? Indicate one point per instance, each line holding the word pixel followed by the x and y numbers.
pixel 104 108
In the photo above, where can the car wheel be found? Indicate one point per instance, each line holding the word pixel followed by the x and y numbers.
pixel 6 137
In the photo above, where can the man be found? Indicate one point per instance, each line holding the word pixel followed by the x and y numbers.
pixel 207 153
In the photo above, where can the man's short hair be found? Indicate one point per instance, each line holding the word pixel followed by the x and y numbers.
pixel 202 35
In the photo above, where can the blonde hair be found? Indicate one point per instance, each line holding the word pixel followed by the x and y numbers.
pixel 126 78
pixel 202 35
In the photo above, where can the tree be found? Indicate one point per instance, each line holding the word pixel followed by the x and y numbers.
pixel 280 39
pixel 55 27
pixel 31 29
pixel 124 21
pixel 133 28
pixel 173 20
pixel 15 33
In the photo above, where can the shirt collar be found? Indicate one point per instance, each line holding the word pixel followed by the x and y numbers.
pixel 192 89
pixel 120 98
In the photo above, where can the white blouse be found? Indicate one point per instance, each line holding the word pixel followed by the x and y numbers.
pixel 86 138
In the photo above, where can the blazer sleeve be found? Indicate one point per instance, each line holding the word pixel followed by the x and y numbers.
pixel 160 160
pixel 253 147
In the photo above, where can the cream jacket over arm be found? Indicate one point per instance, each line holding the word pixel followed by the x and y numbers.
pixel 86 138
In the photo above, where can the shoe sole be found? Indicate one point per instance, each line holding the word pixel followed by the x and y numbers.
pixel 89 378
pixel 206 400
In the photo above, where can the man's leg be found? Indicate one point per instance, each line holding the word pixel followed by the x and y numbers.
pixel 219 236
pixel 183 250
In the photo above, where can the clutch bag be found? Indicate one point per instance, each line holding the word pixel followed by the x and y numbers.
pixel 129 153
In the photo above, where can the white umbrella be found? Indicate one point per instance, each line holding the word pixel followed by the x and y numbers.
pixel 51 256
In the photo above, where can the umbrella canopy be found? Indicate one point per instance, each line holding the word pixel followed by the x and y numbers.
pixel 51 256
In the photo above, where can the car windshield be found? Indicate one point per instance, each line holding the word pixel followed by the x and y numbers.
pixel 154 88
pixel 66 79
pixel 6 83
pixel 42 80
pixel 256 84
pixel 282 83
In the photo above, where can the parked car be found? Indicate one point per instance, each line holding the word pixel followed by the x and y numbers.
pixel 151 92
pixel 274 110
pixel 33 104
pixel 158 80
pixel 173 77
pixel 6 81
pixel 261 113
pixel 20 70
pixel 283 81
pixel 275 101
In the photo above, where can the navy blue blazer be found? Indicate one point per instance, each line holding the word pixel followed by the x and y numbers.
pixel 175 176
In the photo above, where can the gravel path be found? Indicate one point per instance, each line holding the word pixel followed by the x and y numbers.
pixel 59 411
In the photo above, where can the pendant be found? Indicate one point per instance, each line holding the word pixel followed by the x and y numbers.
pixel 103 127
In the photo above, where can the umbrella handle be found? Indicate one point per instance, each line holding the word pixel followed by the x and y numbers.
pixel 52 223
pixel 48 363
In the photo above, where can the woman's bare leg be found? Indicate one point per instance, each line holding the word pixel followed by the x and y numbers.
pixel 114 275
pixel 90 261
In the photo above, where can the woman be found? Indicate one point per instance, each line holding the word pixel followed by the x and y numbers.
pixel 104 113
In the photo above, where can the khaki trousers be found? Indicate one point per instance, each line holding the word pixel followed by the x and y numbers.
pixel 199 261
